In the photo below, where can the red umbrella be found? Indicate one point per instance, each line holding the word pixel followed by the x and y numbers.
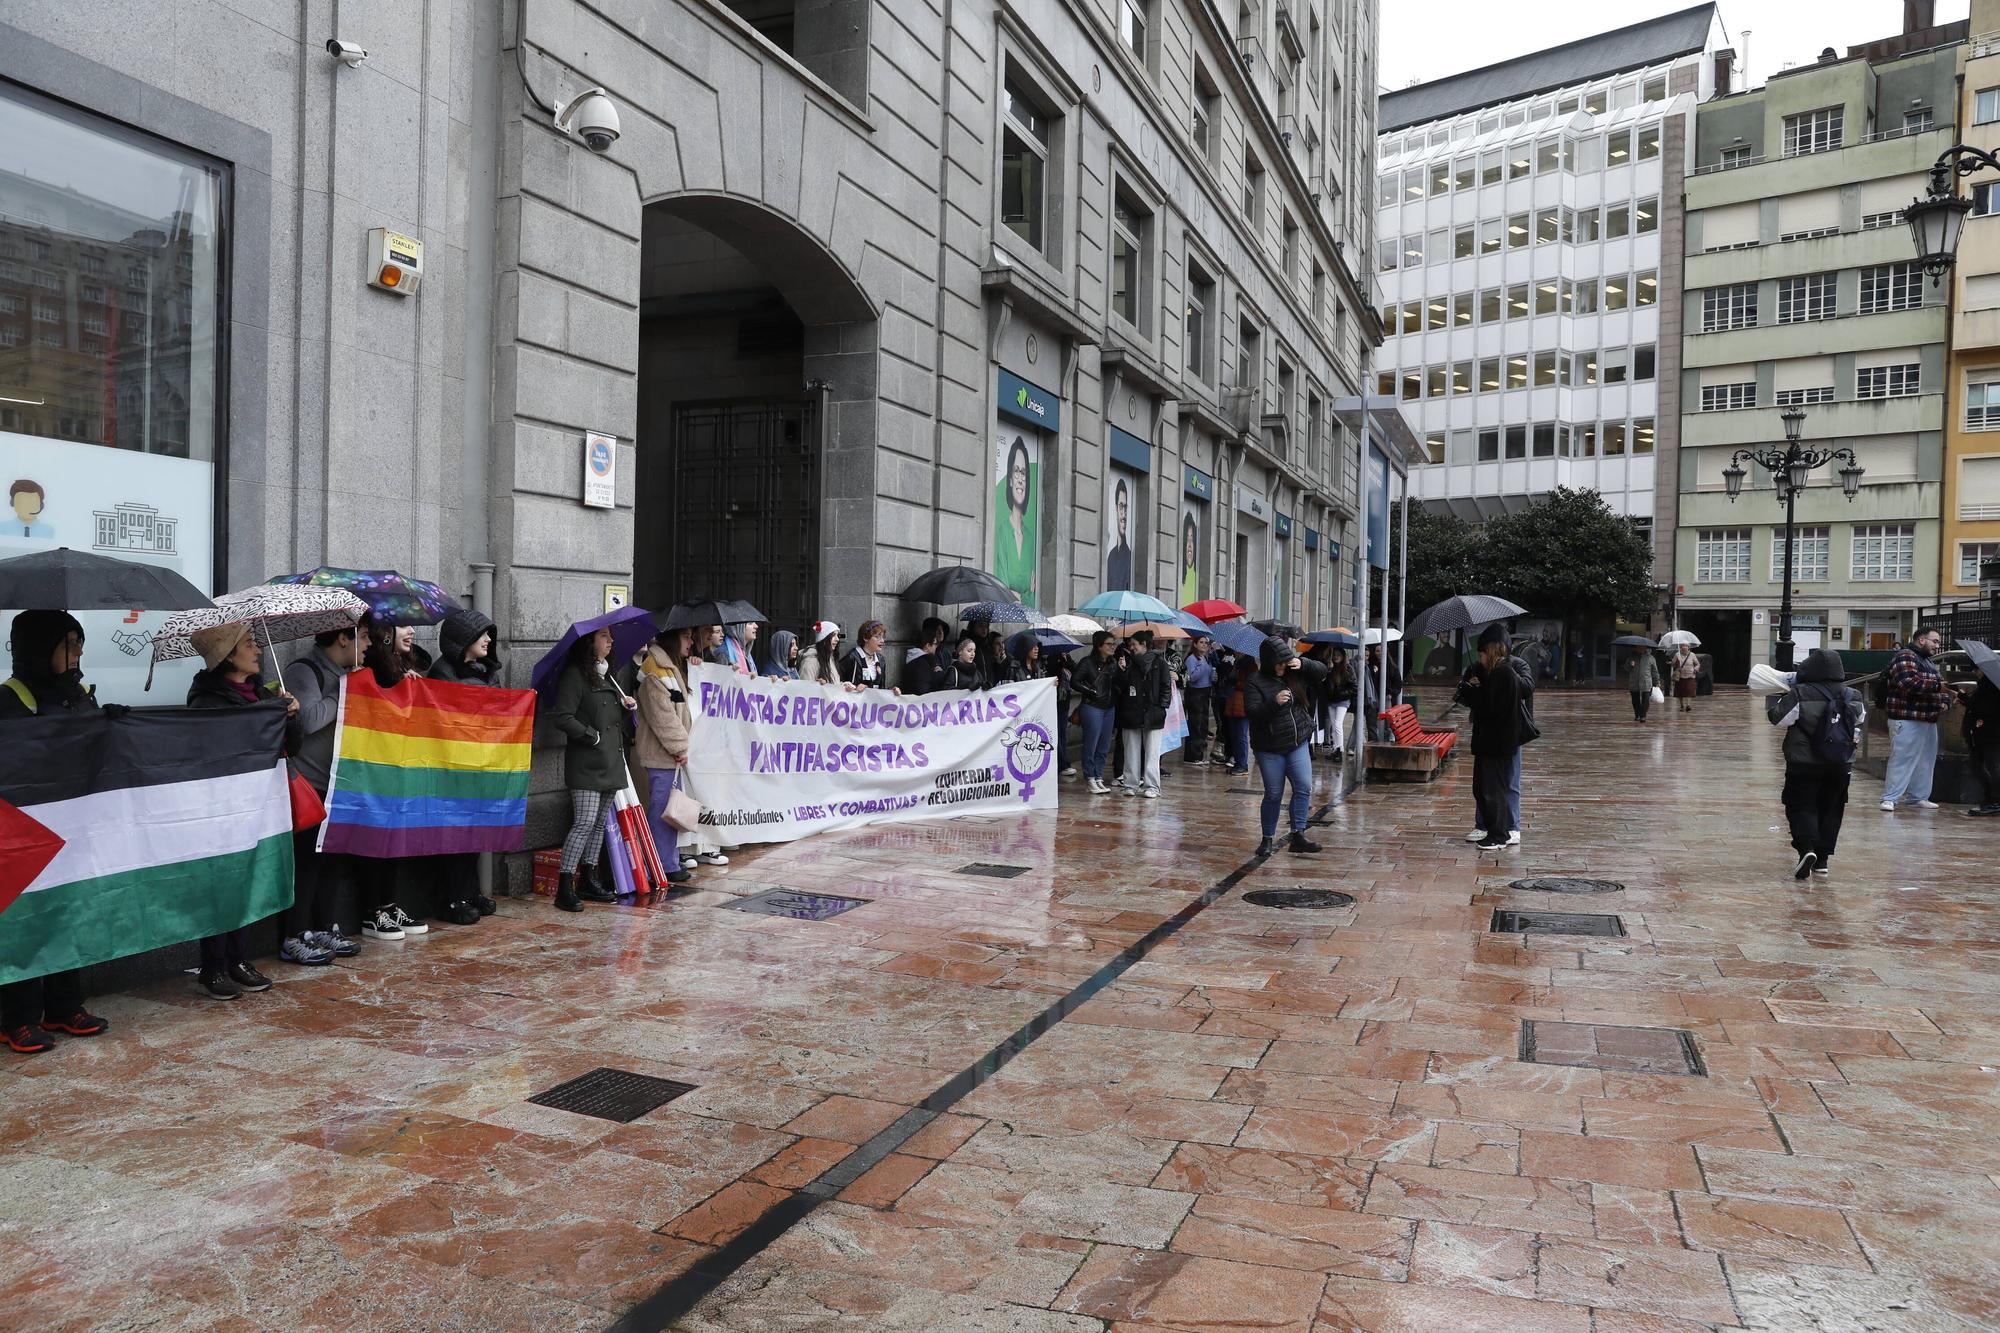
pixel 1214 609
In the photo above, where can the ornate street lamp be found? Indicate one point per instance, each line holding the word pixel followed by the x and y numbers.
pixel 1791 468
pixel 1938 220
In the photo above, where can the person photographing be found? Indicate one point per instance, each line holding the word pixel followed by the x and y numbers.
pixel 1278 701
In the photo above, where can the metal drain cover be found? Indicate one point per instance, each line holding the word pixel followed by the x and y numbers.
pixel 1506 922
pixel 1565 884
pixel 1607 1046
pixel 798 906
pixel 992 871
pixel 1299 897
pixel 612 1094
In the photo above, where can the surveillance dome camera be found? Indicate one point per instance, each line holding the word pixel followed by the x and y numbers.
pixel 592 117
pixel 347 53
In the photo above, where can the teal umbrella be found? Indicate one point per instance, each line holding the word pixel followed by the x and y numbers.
pixel 1129 606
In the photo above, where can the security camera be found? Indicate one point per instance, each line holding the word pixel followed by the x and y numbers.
pixel 347 53
pixel 592 117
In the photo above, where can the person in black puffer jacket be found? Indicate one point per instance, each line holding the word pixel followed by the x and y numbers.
pixel 1817 770
pixel 466 656
pixel 1147 690
pixel 1278 701
pixel 1095 685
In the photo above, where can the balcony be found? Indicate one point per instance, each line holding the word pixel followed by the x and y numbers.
pixel 1288 31
pixel 1241 408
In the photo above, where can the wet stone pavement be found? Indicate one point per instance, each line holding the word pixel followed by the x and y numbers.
pixel 1276 1119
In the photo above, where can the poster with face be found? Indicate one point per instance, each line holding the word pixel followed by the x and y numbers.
pixel 1017 499
pixel 1118 516
pixel 1190 549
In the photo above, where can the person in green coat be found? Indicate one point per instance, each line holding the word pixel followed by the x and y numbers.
pixel 596 716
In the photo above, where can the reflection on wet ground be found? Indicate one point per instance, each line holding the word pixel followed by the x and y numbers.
pixel 1107 1091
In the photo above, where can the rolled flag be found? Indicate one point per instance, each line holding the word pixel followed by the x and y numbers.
pixel 655 868
pixel 1770 680
pixel 622 881
pixel 643 878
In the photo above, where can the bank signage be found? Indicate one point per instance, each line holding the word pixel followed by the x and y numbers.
pixel 1199 484
pixel 1029 404
pixel 1252 503
pixel 1284 525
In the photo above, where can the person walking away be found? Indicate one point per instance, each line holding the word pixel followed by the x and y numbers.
pixel 1822 718
pixel 665 720
pixel 1641 679
pixel 1199 703
pixel 230 678
pixel 1687 675
pixel 595 717
pixel 313 931
pixel 821 662
pixel 1142 715
pixel 47 682
pixel 1917 697
pixel 1981 728
pixel 1340 691
pixel 863 667
pixel 1095 683
pixel 782 665
pixel 1497 734
pixel 466 656
pixel 1278 702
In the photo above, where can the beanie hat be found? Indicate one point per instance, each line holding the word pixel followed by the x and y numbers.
pixel 1492 634
pixel 824 630
pixel 34 636
pixel 217 642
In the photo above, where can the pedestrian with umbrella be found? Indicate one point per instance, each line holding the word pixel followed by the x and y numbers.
pixel 1642 678
pixel 1277 700
pixel 1981 727
pixel 1500 726
pixel 1685 668
pixel 596 720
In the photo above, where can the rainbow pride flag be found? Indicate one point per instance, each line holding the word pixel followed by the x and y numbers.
pixel 428 767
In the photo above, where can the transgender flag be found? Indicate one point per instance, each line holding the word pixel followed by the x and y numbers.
pixel 428 767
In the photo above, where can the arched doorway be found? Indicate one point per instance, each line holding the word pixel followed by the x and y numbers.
pixel 756 370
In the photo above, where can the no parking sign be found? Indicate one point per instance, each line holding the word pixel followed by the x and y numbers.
pixel 600 470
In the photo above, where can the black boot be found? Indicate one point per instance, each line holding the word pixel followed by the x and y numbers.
pixel 1301 843
pixel 596 885
pixel 486 906
pixel 566 899
pixel 678 875
pixel 1264 847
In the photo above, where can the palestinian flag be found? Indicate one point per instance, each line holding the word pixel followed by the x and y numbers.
pixel 428 767
pixel 134 830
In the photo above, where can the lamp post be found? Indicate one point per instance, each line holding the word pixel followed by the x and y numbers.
pixel 1790 470
pixel 1938 220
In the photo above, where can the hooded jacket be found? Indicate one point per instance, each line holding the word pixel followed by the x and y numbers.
pixel 922 670
pixel 461 629
pixel 34 636
pixel 780 666
pixel 1146 689
pixel 1802 709
pixel 1281 727
pixel 1495 702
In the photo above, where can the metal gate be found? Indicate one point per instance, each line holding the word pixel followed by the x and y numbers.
pixel 746 503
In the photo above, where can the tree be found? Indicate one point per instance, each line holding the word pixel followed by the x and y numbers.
pixel 1568 554
pixel 1446 559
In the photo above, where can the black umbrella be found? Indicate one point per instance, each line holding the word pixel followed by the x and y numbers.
pixel 949 585
pixel 1461 612
pixel 1278 629
pixel 66 580
pixel 709 611
pixel 1633 641
pixel 1982 657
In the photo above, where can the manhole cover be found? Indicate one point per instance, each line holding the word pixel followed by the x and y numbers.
pixel 798 906
pixel 1507 922
pixel 612 1094
pixel 992 871
pixel 1603 1046
pixel 1298 898
pixel 1566 884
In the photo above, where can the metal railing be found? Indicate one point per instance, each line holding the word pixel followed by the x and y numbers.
pixel 1974 618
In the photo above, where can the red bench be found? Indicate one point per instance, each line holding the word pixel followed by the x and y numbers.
pixel 1415 755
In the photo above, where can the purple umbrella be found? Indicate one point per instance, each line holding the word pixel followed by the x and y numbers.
pixel 632 628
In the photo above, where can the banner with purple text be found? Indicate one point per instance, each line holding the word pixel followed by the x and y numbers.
pixel 774 760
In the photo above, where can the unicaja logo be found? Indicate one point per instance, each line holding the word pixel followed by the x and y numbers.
pixel 1022 401
pixel 1028 749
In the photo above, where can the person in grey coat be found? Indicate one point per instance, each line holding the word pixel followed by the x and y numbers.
pixel 596 717
pixel 324 882
pixel 1642 679
pixel 1819 755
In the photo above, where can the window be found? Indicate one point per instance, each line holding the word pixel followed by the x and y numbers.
pixel 1413 250
pixel 1461 377
pixel 1024 166
pixel 1611 439
pixel 1545 369
pixel 1545 296
pixel 1545 440
pixel 1649 142
pixel 1489 445
pixel 1464 241
pixel 1982 402
pixel 1655 89
pixel 1617 148
pixel 1517 300
pixel 1583 300
pixel 1642 435
pixel 1437 379
pixel 1617 221
pixel 1887 381
pixel 1583 441
pixel 1489 306
pixel 1435 316
pixel 1809 555
pixel 1546 229
pixel 1489 374
pixel 1646 288
pixel 1440 177
pixel 1985 200
pixel 1645 216
pixel 1801 397
pixel 1643 362
pixel 1728 397
pixel 1612 364
pixel 1722 555
pixel 1615 289
pixel 1738 156
pixel 1387 251
pixel 1461 310
pixel 1195 330
pixel 1413 183
pixel 1986 106
pixel 1413 316
pixel 1548 155
pixel 1250 357
pixel 1807 298
pixel 1489 167
pixel 1413 386
pixel 1520 161
pixel 1733 307
pixel 1917 120
pixel 1131 230
pixel 1517 441
pixel 1289 254
pixel 1884 552
pixel 1517 371
pixel 1586 369
pixel 1812 131
pixel 1207 134
pixel 1253 191
pixel 1465 173
pixel 1587 225
pixel 1890 218
pixel 1596 101
pixel 1132 27
pixel 1971 555
pixel 1517 231
pixel 1489 236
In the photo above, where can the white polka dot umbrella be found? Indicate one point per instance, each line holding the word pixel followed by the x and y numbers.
pixel 275 612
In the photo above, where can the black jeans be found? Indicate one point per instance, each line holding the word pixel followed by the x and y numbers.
pixel 226 950
pixel 1641 701
pixel 323 887
pixel 57 995
pixel 1200 712
pixel 1815 803
pixel 1985 765
pixel 1489 789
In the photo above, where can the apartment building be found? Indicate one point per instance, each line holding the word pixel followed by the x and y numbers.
pixel 1970 514
pixel 1802 290
pixel 1527 259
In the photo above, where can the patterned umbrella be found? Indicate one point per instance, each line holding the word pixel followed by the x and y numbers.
pixel 392 598
pixel 1077 627
pixel 1240 638
pixel 275 614
pixel 1462 612
pixel 1003 613
pixel 1129 606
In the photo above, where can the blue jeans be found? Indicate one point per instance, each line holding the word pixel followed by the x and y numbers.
pixel 1278 766
pixel 1099 725
pixel 1913 748
pixel 1514 793
pixel 1238 730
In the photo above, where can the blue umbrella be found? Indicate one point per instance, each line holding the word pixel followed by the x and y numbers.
pixel 1001 613
pixel 1238 637
pixel 1338 638
pixel 632 628
pixel 1054 640
pixel 1129 606
pixel 1196 627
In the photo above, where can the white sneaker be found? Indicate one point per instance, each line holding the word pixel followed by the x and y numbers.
pixel 712 859
pixel 1097 787
pixel 1477 835
pixel 1150 793
pixel 1069 772
pixel 1514 837
pixel 381 926
pixel 1889 807
pixel 1925 805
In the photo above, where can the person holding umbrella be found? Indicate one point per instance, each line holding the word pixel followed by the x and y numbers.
pixel 1642 677
pixel 313 935
pixel 1278 702
pixel 1200 679
pixel 47 680
pixel 596 718
pixel 1686 669
pixel 1498 731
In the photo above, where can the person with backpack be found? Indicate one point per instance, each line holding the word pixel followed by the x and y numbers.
pixel 1822 716
pixel 1916 697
